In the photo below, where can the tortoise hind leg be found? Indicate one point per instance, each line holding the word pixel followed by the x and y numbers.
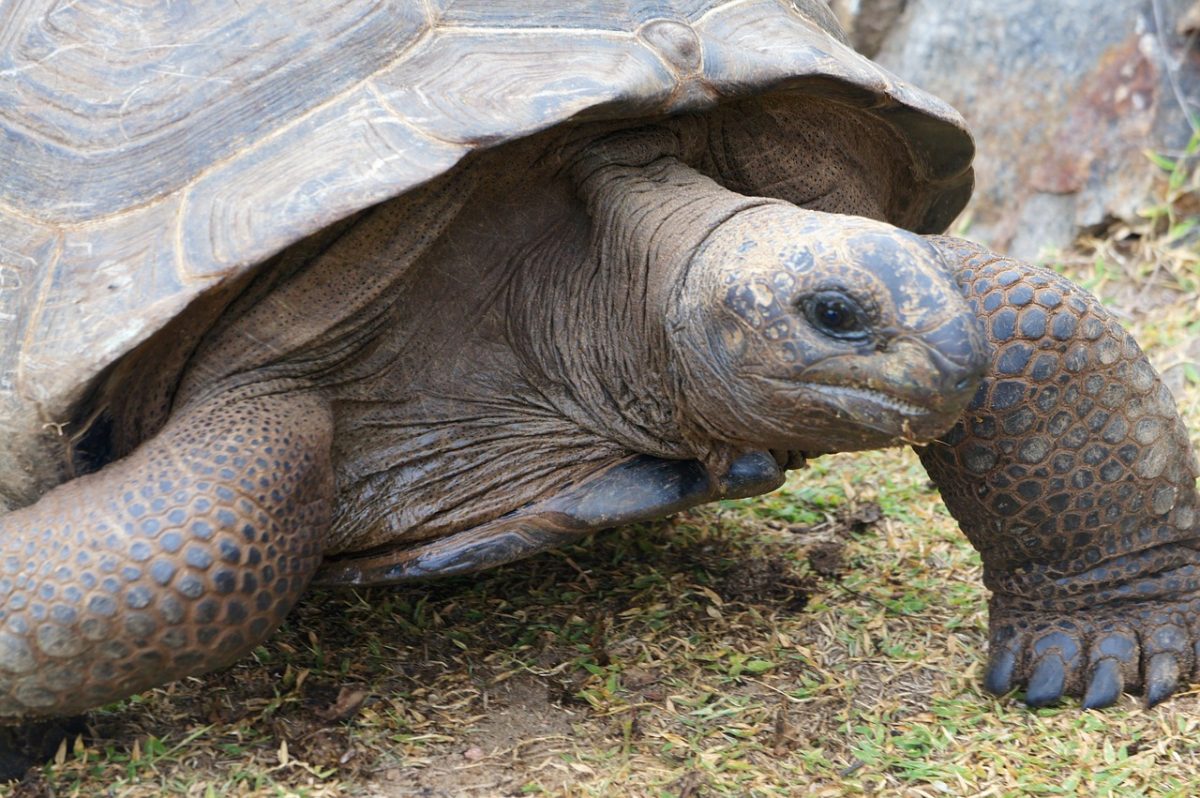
pixel 640 488
pixel 1074 476
pixel 173 561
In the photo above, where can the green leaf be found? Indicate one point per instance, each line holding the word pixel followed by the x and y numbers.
pixel 1181 229
pixel 1161 161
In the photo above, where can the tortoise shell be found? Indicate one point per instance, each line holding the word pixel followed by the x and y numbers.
pixel 150 152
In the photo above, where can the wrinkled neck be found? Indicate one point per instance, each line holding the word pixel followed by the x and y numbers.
pixel 594 325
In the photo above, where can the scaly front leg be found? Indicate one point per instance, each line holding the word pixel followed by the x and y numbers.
pixel 1073 475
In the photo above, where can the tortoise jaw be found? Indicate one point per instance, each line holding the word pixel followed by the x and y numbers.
pixel 850 417
pixel 848 394
pixel 912 391
pixel 895 418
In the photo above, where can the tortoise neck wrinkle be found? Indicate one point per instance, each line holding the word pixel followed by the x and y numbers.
pixel 594 334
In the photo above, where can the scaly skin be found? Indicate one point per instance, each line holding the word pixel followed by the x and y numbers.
pixel 1073 475
pixel 177 563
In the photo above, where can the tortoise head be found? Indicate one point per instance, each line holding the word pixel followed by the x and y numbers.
pixel 817 332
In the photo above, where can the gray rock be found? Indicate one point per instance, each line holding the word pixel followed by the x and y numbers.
pixel 867 22
pixel 1064 103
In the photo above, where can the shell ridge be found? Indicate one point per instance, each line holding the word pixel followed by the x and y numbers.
pixel 37 310
pixel 387 104
pixel 722 8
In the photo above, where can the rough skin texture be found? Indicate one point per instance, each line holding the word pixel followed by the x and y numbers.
pixel 1073 475
pixel 178 563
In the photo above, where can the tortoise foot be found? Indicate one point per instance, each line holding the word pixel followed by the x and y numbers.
pixel 33 743
pixel 1073 475
pixel 1097 655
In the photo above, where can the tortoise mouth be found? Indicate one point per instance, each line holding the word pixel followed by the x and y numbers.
pixel 884 415
pixel 850 396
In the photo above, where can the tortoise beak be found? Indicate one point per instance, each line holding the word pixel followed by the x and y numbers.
pixel 939 371
pixel 913 388
pixel 945 367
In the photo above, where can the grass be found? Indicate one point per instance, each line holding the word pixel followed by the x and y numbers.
pixel 828 639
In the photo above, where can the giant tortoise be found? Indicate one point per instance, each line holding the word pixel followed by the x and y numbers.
pixel 367 292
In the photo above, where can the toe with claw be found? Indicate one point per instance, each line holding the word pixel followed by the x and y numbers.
pixel 1147 649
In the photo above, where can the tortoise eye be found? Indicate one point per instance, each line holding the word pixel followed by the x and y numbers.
pixel 836 315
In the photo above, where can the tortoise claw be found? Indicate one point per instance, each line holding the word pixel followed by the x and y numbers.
pixel 1150 652
pixel 1114 656
pixel 1001 667
pixel 1047 682
pixel 1057 657
pixel 1165 652
pixel 1105 686
pixel 1162 677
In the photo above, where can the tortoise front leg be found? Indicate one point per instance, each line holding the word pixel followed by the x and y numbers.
pixel 175 560
pixel 1073 475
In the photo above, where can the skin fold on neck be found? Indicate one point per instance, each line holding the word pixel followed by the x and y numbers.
pixel 510 369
